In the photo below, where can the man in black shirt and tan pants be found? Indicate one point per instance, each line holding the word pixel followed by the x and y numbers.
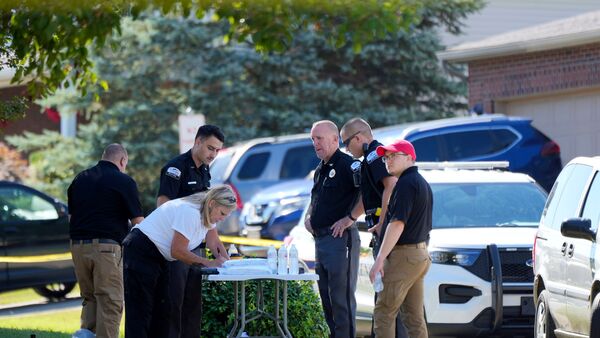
pixel 102 200
pixel 403 259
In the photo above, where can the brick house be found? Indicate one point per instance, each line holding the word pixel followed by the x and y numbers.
pixel 549 72
pixel 35 120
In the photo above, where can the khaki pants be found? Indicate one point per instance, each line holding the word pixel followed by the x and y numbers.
pixel 403 275
pixel 99 271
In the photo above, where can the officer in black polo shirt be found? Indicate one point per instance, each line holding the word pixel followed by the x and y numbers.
pixel 102 200
pixel 185 175
pixel 330 220
pixel 376 184
pixel 404 248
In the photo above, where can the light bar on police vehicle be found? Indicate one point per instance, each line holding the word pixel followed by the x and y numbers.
pixel 482 165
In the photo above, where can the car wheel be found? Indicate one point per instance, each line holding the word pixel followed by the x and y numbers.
pixel 595 320
pixel 54 291
pixel 544 324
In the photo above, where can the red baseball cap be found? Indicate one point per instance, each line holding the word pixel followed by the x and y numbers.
pixel 398 146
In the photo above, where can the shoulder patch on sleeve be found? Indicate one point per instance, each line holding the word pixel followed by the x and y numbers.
pixel 173 172
pixel 372 156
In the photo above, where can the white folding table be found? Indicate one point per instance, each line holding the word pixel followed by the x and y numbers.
pixel 240 315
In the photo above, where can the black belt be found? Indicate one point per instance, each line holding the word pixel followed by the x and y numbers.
pixel 325 231
pixel 320 232
pixel 95 240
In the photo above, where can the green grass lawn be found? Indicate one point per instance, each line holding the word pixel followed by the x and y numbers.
pixel 58 324
pixel 28 295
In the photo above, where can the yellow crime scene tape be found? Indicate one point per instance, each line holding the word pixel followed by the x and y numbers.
pixel 36 259
pixel 67 255
pixel 250 241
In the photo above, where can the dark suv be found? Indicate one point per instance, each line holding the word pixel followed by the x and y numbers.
pixel 34 242
pixel 566 255
pixel 483 138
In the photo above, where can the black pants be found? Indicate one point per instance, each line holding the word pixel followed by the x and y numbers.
pixel 146 281
pixel 337 267
pixel 185 300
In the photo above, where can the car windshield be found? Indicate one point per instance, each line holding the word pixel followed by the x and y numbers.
pixel 218 166
pixel 457 205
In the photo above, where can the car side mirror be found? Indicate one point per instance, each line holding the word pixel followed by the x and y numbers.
pixel 578 228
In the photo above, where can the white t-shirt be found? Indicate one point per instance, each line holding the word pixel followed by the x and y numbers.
pixel 175 215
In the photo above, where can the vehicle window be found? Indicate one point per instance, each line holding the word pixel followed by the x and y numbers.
pixel 568 202
pixel 592 201
pixel 219 165
pixel 298 162
pixel 17 204
pixel 467 144
pixel 427 149
pixel 503 138
pixel 554 196
pixel 487 205
pixel 254 166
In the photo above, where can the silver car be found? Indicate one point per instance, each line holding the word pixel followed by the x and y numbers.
pixel 258 164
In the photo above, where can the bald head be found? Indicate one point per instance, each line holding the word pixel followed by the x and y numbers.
pixel 326 126
pixel 116 154
pixel 324 135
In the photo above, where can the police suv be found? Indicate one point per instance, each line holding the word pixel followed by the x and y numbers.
pixel 484 224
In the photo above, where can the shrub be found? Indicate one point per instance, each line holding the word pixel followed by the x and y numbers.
pixel 305 314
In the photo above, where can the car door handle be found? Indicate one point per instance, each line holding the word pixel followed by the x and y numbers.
pixel 563 249
pixel 571 250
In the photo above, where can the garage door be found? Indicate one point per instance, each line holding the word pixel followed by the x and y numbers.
pixel 572 120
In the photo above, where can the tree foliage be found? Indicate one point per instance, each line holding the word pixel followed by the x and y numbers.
pixel 48 42
pixel 12 165
pixel 165 66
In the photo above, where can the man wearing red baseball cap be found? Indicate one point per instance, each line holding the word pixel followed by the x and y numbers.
pixel 406 230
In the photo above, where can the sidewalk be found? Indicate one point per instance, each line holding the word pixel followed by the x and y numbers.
pixel 28 308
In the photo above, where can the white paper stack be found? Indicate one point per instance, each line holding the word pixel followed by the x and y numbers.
pixel 249 266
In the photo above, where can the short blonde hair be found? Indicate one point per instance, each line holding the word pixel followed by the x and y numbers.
pixel 222 195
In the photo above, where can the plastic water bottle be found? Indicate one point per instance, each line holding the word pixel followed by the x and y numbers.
pixel 282 256
pixel 293 260
pixel 272 259
pixel 378 283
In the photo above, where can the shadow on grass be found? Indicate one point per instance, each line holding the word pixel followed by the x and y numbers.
pixel 29 333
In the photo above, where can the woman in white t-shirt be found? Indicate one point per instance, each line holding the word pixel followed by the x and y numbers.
pixel 169 233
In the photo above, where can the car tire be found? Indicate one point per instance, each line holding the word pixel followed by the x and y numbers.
pixel 54 291
pixel 544 324
pixel 595 320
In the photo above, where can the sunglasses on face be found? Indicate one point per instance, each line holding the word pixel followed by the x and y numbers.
pixel 347 141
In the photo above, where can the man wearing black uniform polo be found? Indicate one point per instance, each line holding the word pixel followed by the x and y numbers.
pixel 330 220
pixel 403 259
pixel 102 200
pixel 376 184
pixel 182 176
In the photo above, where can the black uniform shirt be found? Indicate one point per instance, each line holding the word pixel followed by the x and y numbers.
pixel 180 177
pixel 101 202
pixel 412 203
pixel 373 171
pixel 333 194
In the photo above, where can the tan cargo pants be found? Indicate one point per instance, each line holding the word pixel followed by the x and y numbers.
pixel 403 275
pixel 99 271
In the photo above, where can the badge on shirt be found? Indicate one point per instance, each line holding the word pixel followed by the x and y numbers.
pixel 331 173
pixel 173 172
pixel 372 156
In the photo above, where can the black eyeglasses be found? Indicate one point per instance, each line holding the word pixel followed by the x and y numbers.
pixel 347 141
pixel 389 157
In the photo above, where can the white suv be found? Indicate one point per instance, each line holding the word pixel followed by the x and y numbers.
pixel 484 224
